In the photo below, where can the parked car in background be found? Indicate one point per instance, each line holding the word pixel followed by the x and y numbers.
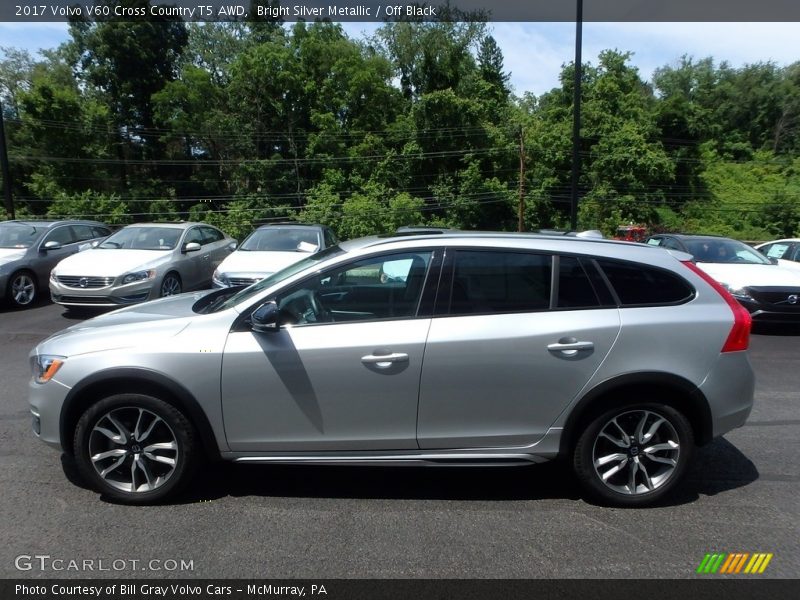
pixel 786 252
pixel 30 249
pixel 619 358
pixel 769 291
pixel 141 262
pixel 270 248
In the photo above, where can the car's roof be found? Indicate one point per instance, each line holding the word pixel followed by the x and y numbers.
pixel 787 240
pixel 51 222
pixel 181 225
pixel 691 236
pixel 698 238
pixel 292 225
pixel 482 237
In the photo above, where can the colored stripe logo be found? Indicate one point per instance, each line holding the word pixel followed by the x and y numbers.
pixel 734 563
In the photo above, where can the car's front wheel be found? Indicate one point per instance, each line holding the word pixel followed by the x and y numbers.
pixel 135 449
pixel 170 285
pixel 22 289
pixel 633 455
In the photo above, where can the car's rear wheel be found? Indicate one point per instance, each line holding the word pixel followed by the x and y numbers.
pixel 170 285
pixel 22 289
pixel 135 449
pixel 633 455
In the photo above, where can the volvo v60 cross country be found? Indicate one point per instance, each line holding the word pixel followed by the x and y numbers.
pixel 441 349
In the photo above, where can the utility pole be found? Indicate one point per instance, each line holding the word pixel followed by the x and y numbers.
pixel 576 118
pixel 4 168
pixel 520 222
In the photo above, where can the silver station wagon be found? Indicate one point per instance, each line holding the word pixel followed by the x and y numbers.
pixel 447 348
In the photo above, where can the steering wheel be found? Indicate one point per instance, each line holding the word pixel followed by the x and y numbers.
pixel 321 315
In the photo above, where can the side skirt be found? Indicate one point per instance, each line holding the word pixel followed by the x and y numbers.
pixel 426 459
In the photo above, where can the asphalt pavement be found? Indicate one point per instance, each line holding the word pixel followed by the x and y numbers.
pixel 741 495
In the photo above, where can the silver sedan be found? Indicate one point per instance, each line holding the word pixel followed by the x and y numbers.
pixel 141 262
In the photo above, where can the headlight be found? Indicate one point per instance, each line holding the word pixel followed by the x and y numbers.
pixel 53 275
pixel 138 276
pixel 45 366
pixel 738 292
pixel 220 278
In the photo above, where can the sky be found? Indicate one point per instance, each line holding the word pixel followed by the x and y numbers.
pixel 535 52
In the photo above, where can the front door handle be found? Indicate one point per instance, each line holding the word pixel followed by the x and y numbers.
pixel 384 360
pixel 570 346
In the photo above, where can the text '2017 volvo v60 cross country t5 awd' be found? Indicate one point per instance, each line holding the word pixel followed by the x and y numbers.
pixel 476 349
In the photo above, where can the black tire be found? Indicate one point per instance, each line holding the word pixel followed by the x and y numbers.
pixel 141 436
pixel 22 289
pixel 170 285
pixel 648 468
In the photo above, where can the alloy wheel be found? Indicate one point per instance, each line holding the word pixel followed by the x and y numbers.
pixel 133 449
pixel 170 286
pixel 23 289
pixel 636 452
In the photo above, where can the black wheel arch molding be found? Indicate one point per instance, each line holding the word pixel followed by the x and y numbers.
pixel 671 389
pixel 118 380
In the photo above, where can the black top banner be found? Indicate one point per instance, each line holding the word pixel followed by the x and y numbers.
pixel 390 10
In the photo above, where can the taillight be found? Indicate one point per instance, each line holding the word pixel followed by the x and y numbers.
pixel 739 337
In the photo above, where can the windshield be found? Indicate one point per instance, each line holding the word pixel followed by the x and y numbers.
pixel 18 235
pixel 276 277
pixel 280 239
pixel 143 238
pixel 725 251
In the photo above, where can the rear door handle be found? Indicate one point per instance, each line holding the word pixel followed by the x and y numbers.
pixel 570 346
pixel 384 360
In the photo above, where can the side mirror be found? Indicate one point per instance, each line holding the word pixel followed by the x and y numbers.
pixel 95 243
pixel 51 245
pixel 264 319
pixel 232 246
pixel 191 247
pixel 773 260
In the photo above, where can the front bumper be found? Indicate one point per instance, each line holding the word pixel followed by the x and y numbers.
pixel 766 312
pixel 112 295
pixel 46 400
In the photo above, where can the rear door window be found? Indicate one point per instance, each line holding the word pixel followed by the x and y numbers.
pixel 487 282
pixel 575 289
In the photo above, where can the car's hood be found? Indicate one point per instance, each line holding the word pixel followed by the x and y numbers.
pixel 792 265
pixel 100 262
pixel 739 275
pixel 142 324
pixel 259 263
pixel 9 254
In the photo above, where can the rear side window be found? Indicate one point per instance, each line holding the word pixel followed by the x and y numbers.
pixel 500 282
pixel 211 235
pixel 83 232
pixel 575 290
pixel 641 285
pixel 330 239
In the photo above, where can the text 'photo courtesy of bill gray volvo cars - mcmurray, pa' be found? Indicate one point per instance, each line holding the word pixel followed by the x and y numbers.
pixel 442 348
